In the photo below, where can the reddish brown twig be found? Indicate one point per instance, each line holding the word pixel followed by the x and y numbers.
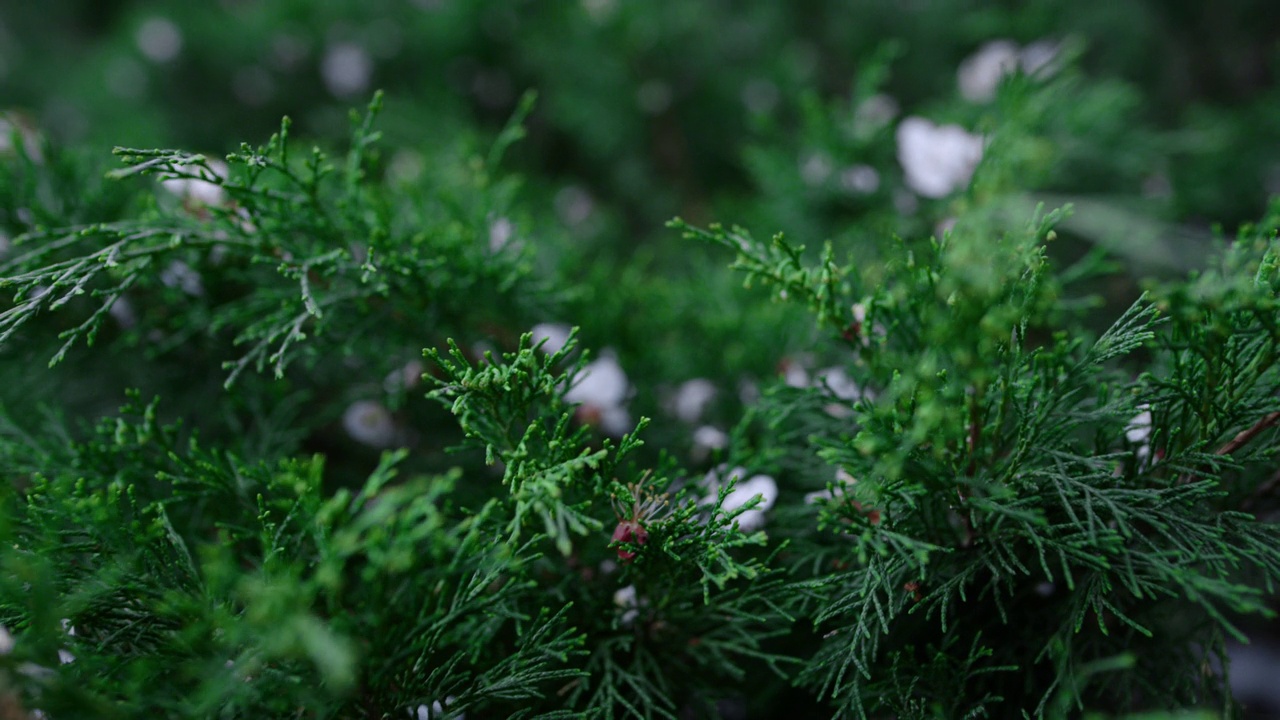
pixel 1240 440
pixel 1245 436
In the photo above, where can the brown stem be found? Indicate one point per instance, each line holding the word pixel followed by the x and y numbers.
pixel 1239 440
pixel 1245 436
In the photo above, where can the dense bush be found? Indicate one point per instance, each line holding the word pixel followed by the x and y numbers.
pixel 427 410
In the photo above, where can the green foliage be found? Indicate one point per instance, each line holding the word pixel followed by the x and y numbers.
pixel 309 251
pixel 1006 486
pixel 241 589
pixel 1007 449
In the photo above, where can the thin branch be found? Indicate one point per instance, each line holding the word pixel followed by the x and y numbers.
pixel 1245 436
pixel 1239 441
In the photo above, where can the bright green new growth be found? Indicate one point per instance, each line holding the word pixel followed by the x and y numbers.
pixel 1019 517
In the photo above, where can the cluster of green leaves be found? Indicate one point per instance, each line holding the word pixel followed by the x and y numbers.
pixel 241 581
pixel 696 606
pixel 186 582
pixel 1013 530
pixel 346 266
pixel 303 247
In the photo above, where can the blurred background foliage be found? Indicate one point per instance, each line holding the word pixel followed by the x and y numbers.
pixel 647 107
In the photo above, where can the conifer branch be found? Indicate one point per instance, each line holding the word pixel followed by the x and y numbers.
pixel 1240 440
